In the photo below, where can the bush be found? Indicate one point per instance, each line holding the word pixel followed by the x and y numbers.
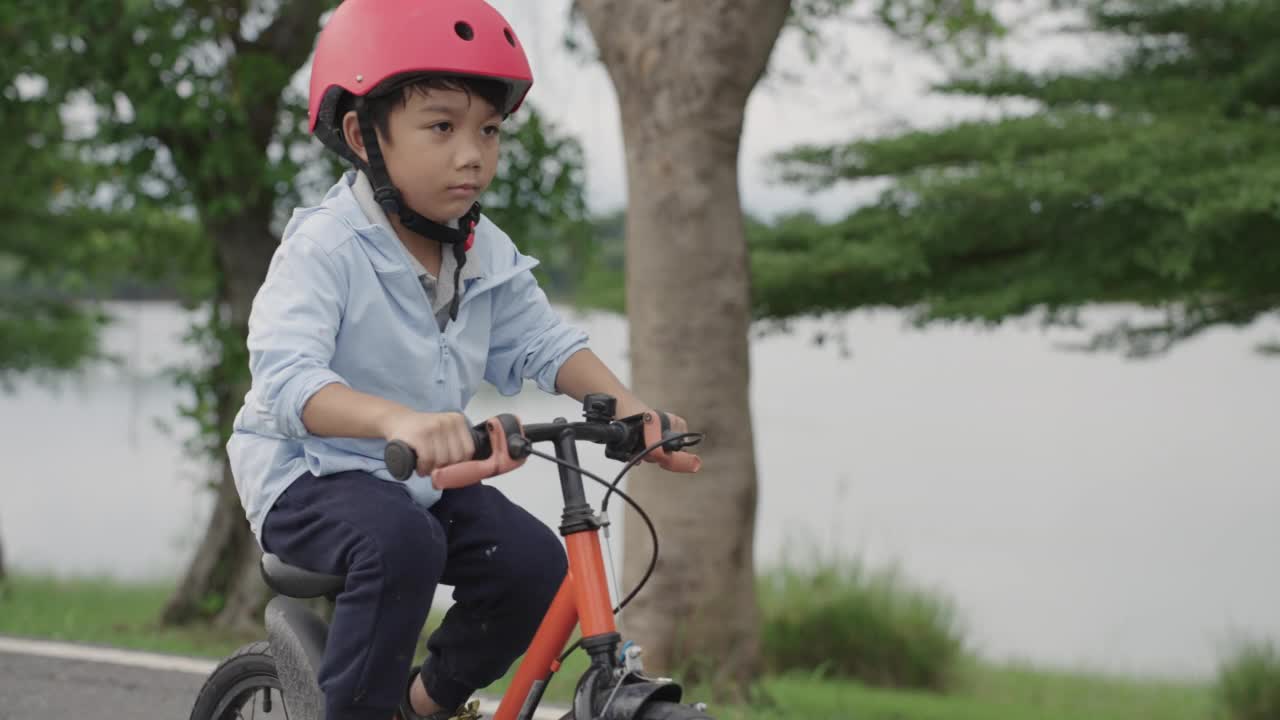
pixel 1249 682
pixel 839 619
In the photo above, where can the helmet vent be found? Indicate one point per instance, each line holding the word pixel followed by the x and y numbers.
pixel 464 30
pixel 511 39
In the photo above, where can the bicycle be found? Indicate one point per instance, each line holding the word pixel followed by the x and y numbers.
pixel 614 686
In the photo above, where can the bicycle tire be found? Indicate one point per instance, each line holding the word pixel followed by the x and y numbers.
pixel 246 671
pixel 660 710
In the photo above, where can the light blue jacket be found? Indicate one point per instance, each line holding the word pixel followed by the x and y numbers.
pixel 342 304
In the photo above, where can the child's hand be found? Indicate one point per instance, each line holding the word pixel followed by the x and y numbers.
pixel 678 424
pixel 440 439
pixel 680 461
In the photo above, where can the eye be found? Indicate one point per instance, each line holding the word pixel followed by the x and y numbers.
pixel 443 126
pixel 491 130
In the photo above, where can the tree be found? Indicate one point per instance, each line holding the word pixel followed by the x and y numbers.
pixel 59 247
pixel 1150 181
pixel 698 62
pixel 539 198
pixel 195 115
pixel 683 72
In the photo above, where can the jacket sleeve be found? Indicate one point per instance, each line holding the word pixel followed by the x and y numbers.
pixel 292 330
pixel 529 339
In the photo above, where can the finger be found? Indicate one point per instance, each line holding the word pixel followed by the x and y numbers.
pixel 444 451
pixel 468 443
pixel 682 462
pixel 429 456
pixel 457 444
pixel 426 458
pixel 657 455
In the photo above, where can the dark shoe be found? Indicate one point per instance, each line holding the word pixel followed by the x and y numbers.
pixel 470 711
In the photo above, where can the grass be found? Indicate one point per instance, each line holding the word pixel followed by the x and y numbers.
pixel 858 624
pixel 1249 681
pixel 104 612
pixel 994 694
pixel 1075 694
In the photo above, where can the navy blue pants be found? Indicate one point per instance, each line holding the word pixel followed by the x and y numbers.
pixel 505 566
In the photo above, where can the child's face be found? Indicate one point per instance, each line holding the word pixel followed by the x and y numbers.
pixel 442 151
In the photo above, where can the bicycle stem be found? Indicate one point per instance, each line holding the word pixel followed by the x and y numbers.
pixel 578 515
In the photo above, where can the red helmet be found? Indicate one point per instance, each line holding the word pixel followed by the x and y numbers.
pixel 367 42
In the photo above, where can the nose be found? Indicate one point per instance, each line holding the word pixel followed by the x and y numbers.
pixel 468 153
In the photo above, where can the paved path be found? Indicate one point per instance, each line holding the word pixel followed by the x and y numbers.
pixel 41 687
pixel 41 680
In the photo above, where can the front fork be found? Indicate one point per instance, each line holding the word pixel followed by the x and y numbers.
pixel 615 686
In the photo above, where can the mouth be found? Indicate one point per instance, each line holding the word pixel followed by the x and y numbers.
pixel 464 188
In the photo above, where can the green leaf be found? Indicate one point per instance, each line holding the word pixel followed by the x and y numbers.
pixel 1154 181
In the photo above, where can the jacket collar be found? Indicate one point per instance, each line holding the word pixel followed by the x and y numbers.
pixel 352 199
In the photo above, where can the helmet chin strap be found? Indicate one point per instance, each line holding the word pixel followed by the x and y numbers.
pixel 460 238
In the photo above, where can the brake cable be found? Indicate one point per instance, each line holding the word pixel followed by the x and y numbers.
pixel 612 489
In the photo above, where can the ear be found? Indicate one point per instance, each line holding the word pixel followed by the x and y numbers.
pixel 351 133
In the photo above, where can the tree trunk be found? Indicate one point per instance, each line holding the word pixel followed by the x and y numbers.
pixel 223 576
pixel 683 72
pixel 217 569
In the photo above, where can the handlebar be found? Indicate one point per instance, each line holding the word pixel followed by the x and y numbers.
pixel 623 439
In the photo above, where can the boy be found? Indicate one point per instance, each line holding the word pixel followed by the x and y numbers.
pixel 383 309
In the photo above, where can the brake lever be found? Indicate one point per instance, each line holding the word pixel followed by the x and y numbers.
pixel 680 441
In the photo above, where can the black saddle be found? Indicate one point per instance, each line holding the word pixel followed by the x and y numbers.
pixel 296 582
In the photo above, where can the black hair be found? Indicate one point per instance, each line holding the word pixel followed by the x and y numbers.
pixel 397 91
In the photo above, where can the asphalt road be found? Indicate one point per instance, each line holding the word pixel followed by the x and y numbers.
pixel 42 680
pixel 43 688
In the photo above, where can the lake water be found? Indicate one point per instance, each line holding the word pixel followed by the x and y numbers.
pixel 1082 511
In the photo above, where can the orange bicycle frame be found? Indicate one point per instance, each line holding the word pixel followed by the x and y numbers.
pixel 584 596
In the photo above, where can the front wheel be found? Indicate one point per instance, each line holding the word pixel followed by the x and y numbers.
pixel 244 685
